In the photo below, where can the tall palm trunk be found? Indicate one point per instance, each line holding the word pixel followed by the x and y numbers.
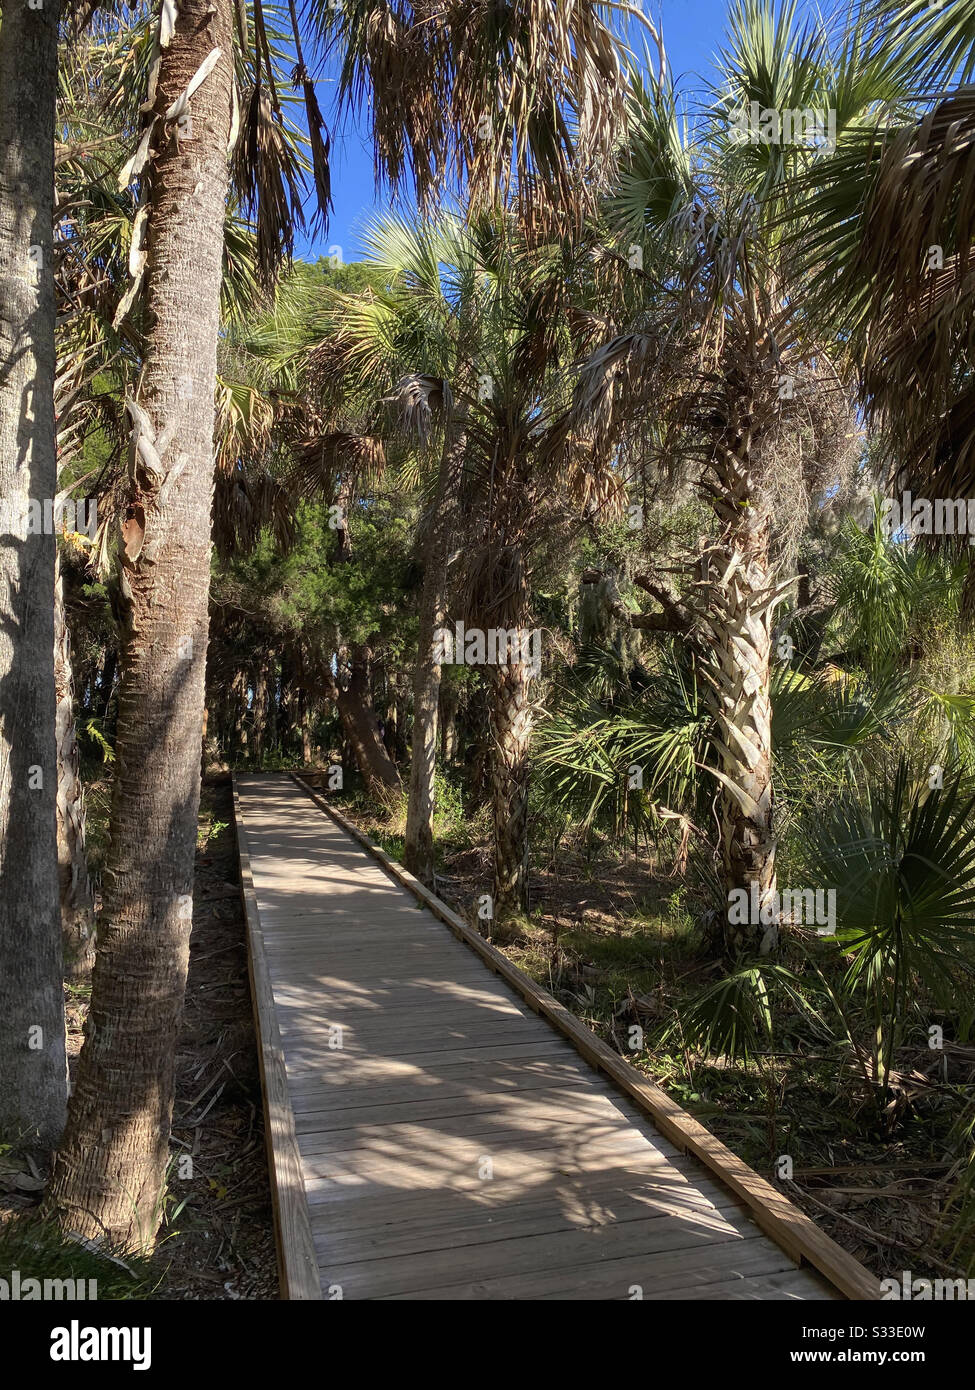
pixel 448 723
pixel 511 730
pixel 77 903
pixel 33 1076
pixel 740 614
pixel 418 848
pixel 260 709
pixel 352 694
pixel 111 1168
pixel 238 733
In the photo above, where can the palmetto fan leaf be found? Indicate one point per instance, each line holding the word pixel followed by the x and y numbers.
pixel 732 1017
pixel 826 732
pixel 901 858
pixel 245 418
pixel 950 716
pixel 888 593
pixel 586 751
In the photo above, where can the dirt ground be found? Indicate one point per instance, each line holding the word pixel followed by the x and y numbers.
pixel 217 1237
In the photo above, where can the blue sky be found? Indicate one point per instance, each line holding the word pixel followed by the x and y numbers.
pixel 693 30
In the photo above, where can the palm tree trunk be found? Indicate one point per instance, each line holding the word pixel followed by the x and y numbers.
pixel 77 901
pixel 511 730
pixel 260 709
pixel 305 706
pixel 238 691
pixel 33 1075
pixel 418 847
pixel 109 670
pixel 111 1168
pixel 353 699
pixel 740 614
pixel 448 723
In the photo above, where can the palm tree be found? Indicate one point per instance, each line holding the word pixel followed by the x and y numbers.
pixel 889 227
pixel 33 1090
pixel 719 345
pixel 408 346
pixel 472 329
pixel 111 1165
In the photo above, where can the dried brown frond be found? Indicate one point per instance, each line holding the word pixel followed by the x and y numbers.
pixel 497 94
pixel 267 175
pixel 417 398
pixel 246 501
pixel 917 259
pixel 323 460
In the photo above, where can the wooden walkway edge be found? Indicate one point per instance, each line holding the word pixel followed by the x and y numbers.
pixel 599 1186
pixel 297 1264
pixel 791 1229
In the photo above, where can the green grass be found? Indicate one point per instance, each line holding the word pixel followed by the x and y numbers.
pixel 38 1250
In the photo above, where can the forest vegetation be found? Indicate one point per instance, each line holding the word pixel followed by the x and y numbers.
pixel 615 382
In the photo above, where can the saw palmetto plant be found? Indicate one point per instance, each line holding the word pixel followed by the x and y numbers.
pixel 900 857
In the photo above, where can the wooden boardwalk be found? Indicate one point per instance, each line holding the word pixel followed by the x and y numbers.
pixel 432 1137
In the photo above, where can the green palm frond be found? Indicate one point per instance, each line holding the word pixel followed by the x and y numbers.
pixel 888 593
pixel 901 859
pixel 613 763
pixel 732 1017
pixel 828 729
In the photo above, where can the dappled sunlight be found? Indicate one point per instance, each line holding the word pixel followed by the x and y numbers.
pixel 450 1139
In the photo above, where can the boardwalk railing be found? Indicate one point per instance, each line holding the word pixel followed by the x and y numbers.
pixel 793 1231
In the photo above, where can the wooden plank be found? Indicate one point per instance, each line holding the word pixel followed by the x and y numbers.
pixel 790 1228
pixel 459 1161
pixel 297 1261
pixel 372 1061
pixel 480 1227
pixel 535 1256
pixel 584 1200
pixel 452 1081
pixel 420 1108
pixel 393 1042
pixel 687 1275
pixel 523 1169
pixel 789 1285
pixel 493 1130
